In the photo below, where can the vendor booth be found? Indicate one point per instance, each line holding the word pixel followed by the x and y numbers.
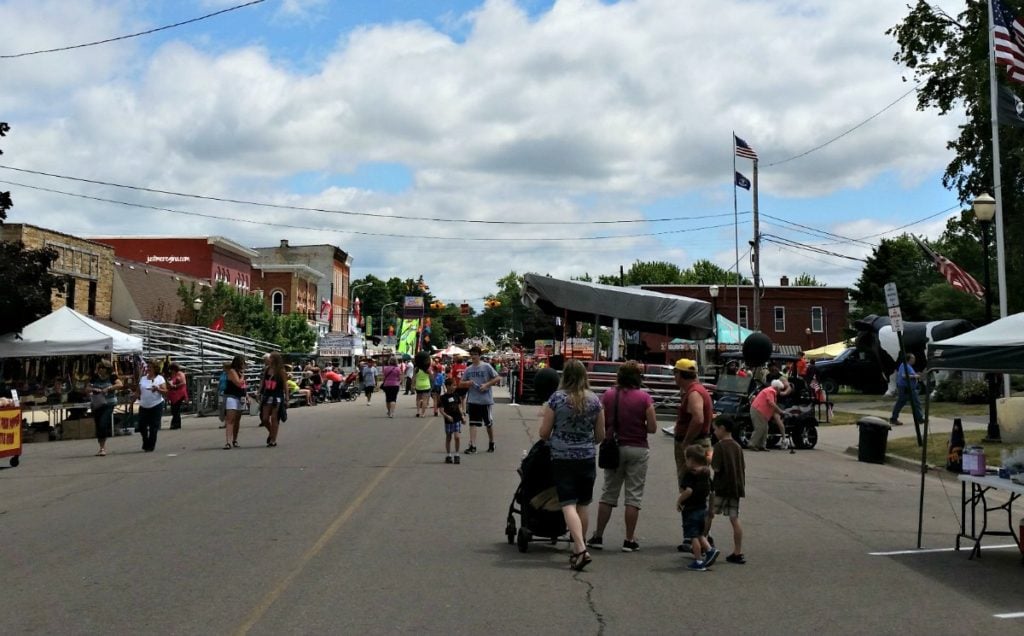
pixel 995 348
pixel 50 361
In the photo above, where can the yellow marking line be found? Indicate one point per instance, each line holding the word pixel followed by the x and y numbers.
pixel 324 539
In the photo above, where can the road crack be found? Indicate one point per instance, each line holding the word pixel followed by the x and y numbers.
pixel 598 616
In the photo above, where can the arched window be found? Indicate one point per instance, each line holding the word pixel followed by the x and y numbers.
pixel 277 302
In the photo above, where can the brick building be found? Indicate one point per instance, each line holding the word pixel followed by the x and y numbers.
pixel 290 289
pixel 331 261
pixel 793 317
pixel 144 292
pixel 214 258
pixel 86 265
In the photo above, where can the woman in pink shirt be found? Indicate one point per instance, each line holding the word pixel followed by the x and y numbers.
pixel 765 407
pixel 391 382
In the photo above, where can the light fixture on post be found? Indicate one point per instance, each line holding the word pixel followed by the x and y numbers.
pixel 351 300
pixel 382 317
pixel 713 292
pixel 197 304
pixel 984 207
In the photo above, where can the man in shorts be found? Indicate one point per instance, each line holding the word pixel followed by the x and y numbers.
pixel 479 377
pixel 369 377
pixel 693 421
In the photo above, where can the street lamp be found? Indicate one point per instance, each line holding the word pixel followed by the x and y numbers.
pixel 985 210
pixel 197 304
pixel 713 292
pixel 382 317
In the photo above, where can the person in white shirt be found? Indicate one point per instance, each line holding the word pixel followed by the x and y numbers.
pixel 152 388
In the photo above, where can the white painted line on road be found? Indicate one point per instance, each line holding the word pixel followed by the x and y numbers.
pixel 1013 615
pixel 899 552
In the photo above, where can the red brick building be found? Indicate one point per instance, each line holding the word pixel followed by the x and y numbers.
pixel 802 317
pixel 212 258
pixel 289 289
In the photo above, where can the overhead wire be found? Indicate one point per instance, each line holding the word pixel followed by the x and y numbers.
pixel 773 238
pixel 131 35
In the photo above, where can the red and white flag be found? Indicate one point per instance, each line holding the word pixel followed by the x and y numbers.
pixel 326 309
pixel 955 274
pixel 1008 36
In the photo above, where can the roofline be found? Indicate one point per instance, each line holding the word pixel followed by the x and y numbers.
pixel 289 267
pixel 217 241
pixel 339 254
pixel 231 246
pixel 72 236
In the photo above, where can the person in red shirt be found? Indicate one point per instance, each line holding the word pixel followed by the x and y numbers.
pixel 763 409
pixel 458 366
pixel 693 421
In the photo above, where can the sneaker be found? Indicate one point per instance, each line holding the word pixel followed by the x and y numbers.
pixel 736 558
pixel 711 557
pixel 630 546
pixel 448 459
pixel 490 447
pixel 471 450
pixel 596 543
pixel 697 566
pixel 457 460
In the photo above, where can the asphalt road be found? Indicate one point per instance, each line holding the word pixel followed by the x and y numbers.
pixel 354 524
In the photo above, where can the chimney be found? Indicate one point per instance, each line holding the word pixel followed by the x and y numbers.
pixel 284 243
pixel 784 281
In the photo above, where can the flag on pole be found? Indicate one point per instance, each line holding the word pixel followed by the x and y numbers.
pixel 1011 108
pixel 953 273
pixel 218 324
pixel 743 149
pixel 742 181
pixel 1008 36
pixel 326 310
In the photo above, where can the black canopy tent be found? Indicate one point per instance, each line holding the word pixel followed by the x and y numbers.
pixel 998 347
pixel 634 309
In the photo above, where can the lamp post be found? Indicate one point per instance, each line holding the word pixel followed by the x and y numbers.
pixel 713 292
pixel 985 210
pixel 382 317
pixel 351 299
pixel 197 304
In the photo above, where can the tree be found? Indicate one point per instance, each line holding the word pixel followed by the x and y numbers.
pixel 295 334
pixel 899 261
pixel 807 280
pixel 704 272
pixel 949 58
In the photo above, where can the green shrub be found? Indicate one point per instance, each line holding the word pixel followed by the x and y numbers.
pixel 974 392
pixel 948 390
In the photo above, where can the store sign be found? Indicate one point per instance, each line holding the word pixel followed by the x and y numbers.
pixel 10 431
pixel 333 344
pixel 154 258
pixel 413 307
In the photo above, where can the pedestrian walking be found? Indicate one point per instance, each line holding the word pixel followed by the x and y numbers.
pixel 573 423
pixel 451 409
pixel 151 392
pixel 694 486
pixel 693 419
pixel 409 371
pixel 437 386
pixel 479 377
pixel 234 400
pixel 272 396
pixel 391 382
pixel 369 377
pixel 629 417
pixel 104 386
pixel 906 391
pixel 422 382
pixel 729 483
pixel 177 393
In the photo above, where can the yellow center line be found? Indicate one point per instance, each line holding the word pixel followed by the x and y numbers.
pixel 324 539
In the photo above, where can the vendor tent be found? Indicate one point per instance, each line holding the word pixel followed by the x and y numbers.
pixel 635 309
pixel 728 333
pixel 452 350
pixel 827 352
pixel 66 332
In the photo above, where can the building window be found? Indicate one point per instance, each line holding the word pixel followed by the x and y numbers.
pixel 277 302
pixel 92 298
pixel 744 320
pixel 780 319
pixel 69 292
pixel 817 320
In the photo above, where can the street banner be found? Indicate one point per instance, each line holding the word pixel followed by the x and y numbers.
pixel 408 336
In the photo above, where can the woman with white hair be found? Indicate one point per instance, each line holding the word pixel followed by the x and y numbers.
pixel 763 409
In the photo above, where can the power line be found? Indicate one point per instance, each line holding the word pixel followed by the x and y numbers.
pixel 822 232
pixel 359 232
pixel 133 35
pixel 772 238
pixel 807 256
pixel 300 208
pixel 840 136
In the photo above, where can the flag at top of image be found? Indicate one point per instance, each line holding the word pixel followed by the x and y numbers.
pixel 1008 36
pixel 743 149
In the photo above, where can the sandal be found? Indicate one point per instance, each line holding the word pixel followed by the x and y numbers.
pixel 579 560
pixel 227 446
pixel 234 444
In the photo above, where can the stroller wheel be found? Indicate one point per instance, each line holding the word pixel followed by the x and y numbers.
pixel 510 530
pixel 523 539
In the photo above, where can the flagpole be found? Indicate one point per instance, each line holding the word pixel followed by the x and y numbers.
pixel 756 258
pixel 735 231
pixel 997 180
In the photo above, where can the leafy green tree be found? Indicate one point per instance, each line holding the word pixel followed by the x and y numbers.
pixel 28 285
pixel 807 280
pixel 295 334
pixel 898 260
pixel 949 56
pixel 942 301
pixel 704 272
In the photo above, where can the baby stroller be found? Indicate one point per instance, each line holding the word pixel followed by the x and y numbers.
pixel 536 502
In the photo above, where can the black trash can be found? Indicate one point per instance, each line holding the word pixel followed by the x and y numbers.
pixel 874 436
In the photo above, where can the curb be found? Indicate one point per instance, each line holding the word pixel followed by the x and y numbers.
pixel 895 461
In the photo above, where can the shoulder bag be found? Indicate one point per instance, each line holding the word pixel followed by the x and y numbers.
pixel 608 452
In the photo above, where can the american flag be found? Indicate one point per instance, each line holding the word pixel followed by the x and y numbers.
pixel 743 149
pixel 1009 41
pixel 956 276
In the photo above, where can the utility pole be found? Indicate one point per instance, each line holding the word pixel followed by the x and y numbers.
pixel 755 258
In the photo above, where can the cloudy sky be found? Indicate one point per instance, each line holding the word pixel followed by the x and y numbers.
pixel 539 117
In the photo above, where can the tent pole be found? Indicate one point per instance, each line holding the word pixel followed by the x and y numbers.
pixel 615 339
pixel 597 341
pixel 924 458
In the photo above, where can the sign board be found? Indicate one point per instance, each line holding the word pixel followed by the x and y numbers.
pixel 10 432
pixel 412 307
pixel 896 319
pixel 892 299
pixel 335 344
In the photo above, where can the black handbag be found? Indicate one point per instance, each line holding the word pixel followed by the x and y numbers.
pixel 608 451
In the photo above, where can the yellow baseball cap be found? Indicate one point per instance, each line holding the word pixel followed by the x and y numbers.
pixel 685 364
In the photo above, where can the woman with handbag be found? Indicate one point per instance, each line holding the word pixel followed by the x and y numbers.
pixel 630 420
pixel 573 422
pixel 104 387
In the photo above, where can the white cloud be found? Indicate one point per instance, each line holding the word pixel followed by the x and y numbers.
pixel 527 119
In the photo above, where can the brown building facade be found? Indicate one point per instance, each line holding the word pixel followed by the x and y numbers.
pixel 214 258
pixel 334 263
pixel 86 265
pixel 289 289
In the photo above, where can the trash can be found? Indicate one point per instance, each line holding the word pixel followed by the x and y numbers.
pixel 874 435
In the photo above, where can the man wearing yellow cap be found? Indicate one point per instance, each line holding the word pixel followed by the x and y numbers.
pixel 693 421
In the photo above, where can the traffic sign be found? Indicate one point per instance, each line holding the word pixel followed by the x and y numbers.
pixel 896 319
pixel 892 299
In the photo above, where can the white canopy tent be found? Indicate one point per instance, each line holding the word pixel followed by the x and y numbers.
pixel 66 332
